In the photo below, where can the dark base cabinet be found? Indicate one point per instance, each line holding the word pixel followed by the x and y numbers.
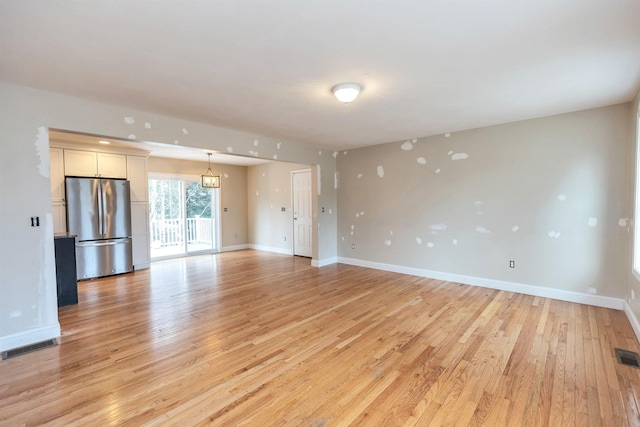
pixel 65 250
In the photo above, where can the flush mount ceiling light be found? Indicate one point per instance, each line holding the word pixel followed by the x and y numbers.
pixel 209 180
pixel 346 92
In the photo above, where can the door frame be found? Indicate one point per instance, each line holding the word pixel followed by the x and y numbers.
pixel 217 224
pixel 311 206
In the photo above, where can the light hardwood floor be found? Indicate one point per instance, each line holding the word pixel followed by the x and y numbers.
pixel 260 339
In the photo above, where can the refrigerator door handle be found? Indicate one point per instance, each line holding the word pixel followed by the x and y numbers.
pixel 103 197
pixel 95 243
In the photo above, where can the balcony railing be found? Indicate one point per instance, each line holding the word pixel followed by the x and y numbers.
pixel 170 232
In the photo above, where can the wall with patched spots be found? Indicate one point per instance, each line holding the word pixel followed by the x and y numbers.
pixel 549 194
pixel 633 280
pixel 269 192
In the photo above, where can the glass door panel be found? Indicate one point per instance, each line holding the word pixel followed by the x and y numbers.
pixel 200 206
pixel 166 218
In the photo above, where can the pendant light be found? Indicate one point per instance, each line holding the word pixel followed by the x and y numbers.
pixel 209 180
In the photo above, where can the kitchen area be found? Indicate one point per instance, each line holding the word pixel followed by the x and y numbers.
pixel 100 210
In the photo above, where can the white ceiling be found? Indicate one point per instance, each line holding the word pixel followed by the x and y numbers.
pixel 427 67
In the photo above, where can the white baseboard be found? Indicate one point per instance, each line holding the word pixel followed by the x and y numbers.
pixel 632 319
pixel 234 248
pixel 323 262
pixel 29 337
pixel 271 249
pixel 539 291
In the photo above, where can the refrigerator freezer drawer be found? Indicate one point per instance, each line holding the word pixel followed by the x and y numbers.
pixel 103 258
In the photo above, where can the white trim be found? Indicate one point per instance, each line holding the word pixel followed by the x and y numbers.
pixel 235 248
pixel 632 319
pixel 142 266
pixel 271 249
pixel 33 336
pixel 539 291
pixel 323 262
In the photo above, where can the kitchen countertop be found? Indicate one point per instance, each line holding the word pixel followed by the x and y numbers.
pixel 64 236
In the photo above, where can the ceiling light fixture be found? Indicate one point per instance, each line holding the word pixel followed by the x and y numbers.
pixel 209 180
pixel 346 92
pixel 103 142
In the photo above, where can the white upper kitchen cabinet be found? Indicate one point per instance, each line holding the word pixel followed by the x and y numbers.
pixel 56 164
pixel 89 163
pixel 138 178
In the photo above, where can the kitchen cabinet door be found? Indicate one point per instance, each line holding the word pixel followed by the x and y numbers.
pixel 59 215
pixel 112 165
pixel 80 163
pixel 56 174
pixel 140 234
pixel 138 177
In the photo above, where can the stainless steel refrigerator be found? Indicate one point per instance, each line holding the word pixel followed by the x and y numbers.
pixel 99 214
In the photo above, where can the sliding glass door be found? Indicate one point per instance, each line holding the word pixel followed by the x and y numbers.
pixel 183 217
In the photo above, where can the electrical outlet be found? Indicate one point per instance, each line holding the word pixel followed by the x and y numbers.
pixel 226 209
pixel 512 264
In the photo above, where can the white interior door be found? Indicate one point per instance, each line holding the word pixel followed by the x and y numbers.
pixel 302 236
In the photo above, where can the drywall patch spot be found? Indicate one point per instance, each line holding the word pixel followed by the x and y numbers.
pixel 483 230
pixel 421 161
pixel 175 141
pixel 418 240
pixel 515 228
pixel 278 145
pixel 429 244
pixel 380 171
pixel 358 215
pixel 438 227
pixel 42 151
pixel 592 222
pixel 319 152
pixel 330 211
pixel 592 290
pixel 335 154
pixel 437 170
pixel 361 213
pixel 387 242
pixel 15 313
pixel 129 120
pixel 230 149
pixel 343 238
pixel 391 232
pixel 622 222
pixel 479 213
pixel 455 241
pixel 275 157
pixel 553 234
pixel 344 153
pixel 414 140
pixel 447 135
pixel 450 153
pixel 478 203
pixel 460 156
pixel 226 175
pixel 353 227
pixel 185 131
pixel 132 136
pixel 147 125
pixel 255 142
pixel 562 197
pixel 359 176
pixel 407 145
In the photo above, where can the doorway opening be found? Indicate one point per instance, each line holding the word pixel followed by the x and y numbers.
pixel 183 217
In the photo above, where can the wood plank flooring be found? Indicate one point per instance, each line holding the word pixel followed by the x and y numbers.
pixel 257 339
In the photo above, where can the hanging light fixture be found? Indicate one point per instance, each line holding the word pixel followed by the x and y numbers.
pixel 346 92
pixel 209 180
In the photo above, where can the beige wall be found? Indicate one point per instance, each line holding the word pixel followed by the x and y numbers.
pixel 547 193
pixel 269 190
pixel 233 194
